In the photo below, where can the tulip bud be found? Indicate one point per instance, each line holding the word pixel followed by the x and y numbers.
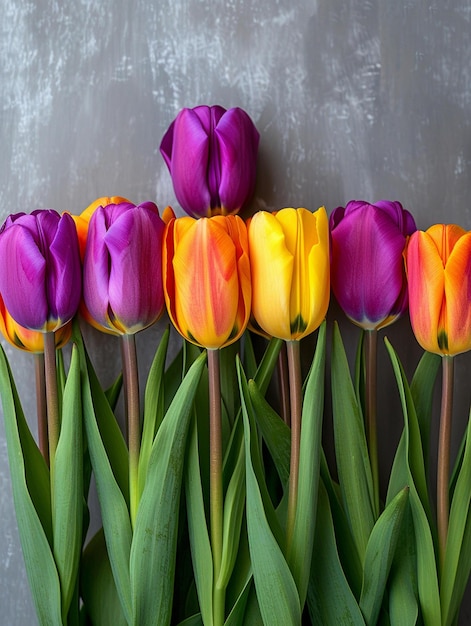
pixel 40 270
pixel 211 154
pixel 368 276
pixel 438 263
pixel 122 275
pixel 289 256
pixel 207 279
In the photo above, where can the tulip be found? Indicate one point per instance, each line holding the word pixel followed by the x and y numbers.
pixel 368 277
pixel 289 256
pixel 82 220
pixel 40 270
pixel 206 274
pixel 25 339
pixel 122 267
pixel 438 263
pixel 211 154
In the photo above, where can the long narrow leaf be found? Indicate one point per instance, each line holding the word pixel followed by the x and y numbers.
pixel 40 566
pixel 354 469
pixel 379 556
pixel 67 487
pixel 276 590
pixel 153 550
pixel 300 552
pixel 426 564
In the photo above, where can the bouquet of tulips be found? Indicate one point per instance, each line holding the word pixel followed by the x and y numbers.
pixel 218 504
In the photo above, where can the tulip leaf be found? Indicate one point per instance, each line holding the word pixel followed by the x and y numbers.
pixel 153 550
pixel 199 539
pixel 379 556
pixel 457 563
pixel 402 583
pixel 354 470
pixel 113 504
pixel 427 578
pixel 194 620
pixel 276 590
pixel 330 600
pixel 67 485
pixel 97 585
pixel 300 549
pixel 40 566
pixel 153 407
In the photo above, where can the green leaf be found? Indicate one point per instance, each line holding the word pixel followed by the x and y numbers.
pixel 112 393
pixel 351 450
pixel 330 599
pixel 199 539
pixel 97 585
pixel 379 555
pixel 113 503
pixel 300 549
pixel 457 564
pixel 426 564
pixel 276 590
pixel 194 620
pixel 153 407
pixel 40 566
pixel 67 486
pixel 153 550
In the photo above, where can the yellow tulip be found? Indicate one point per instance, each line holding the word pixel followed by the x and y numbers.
pixel 289 257
pixel 206 274
pixel 438 263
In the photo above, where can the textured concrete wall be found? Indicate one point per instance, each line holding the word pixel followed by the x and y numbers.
pixel 353 99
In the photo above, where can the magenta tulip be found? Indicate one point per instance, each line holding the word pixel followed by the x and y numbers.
pixel 122 275
pixel 211 154
pixel 367 267
pixel 40 269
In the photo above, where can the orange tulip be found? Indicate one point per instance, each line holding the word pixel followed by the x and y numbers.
pixel 206 273
pixel 26 339
pixel 438 263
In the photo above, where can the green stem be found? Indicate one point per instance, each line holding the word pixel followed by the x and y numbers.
pixel 371 349
pixel 215 477
pixel 132 409
pixel 443 469
pixel 295 384
pixel 52 398
pixel 41 404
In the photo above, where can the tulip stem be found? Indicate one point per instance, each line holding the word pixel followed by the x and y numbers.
pixel 283 384
pixel 215 477
pixel 132 408
pixel 295 383
pixel 52 398
pixel 41 404
pixel 371 349
pixel 443 469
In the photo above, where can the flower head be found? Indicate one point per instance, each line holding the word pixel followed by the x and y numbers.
pixel 40 269
pixel 289 256
pixel 211 154
pixel 368 277
pixel 207 278
pixel 122 273
pixel 438 263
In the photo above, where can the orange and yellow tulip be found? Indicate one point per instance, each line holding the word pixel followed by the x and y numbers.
pixel 26 339
pixel 438 264
pixel 289 256
pixel 206 275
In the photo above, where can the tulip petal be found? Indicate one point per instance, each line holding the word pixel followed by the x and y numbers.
pixel 458 296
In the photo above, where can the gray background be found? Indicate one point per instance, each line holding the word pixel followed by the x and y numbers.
pixel 353 99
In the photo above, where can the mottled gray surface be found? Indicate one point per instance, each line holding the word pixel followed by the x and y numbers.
pixel 353 99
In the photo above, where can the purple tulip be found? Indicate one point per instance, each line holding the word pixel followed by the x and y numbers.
pixel 40 269
pixel 122 274
pixel 367 267
pixel 211 154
